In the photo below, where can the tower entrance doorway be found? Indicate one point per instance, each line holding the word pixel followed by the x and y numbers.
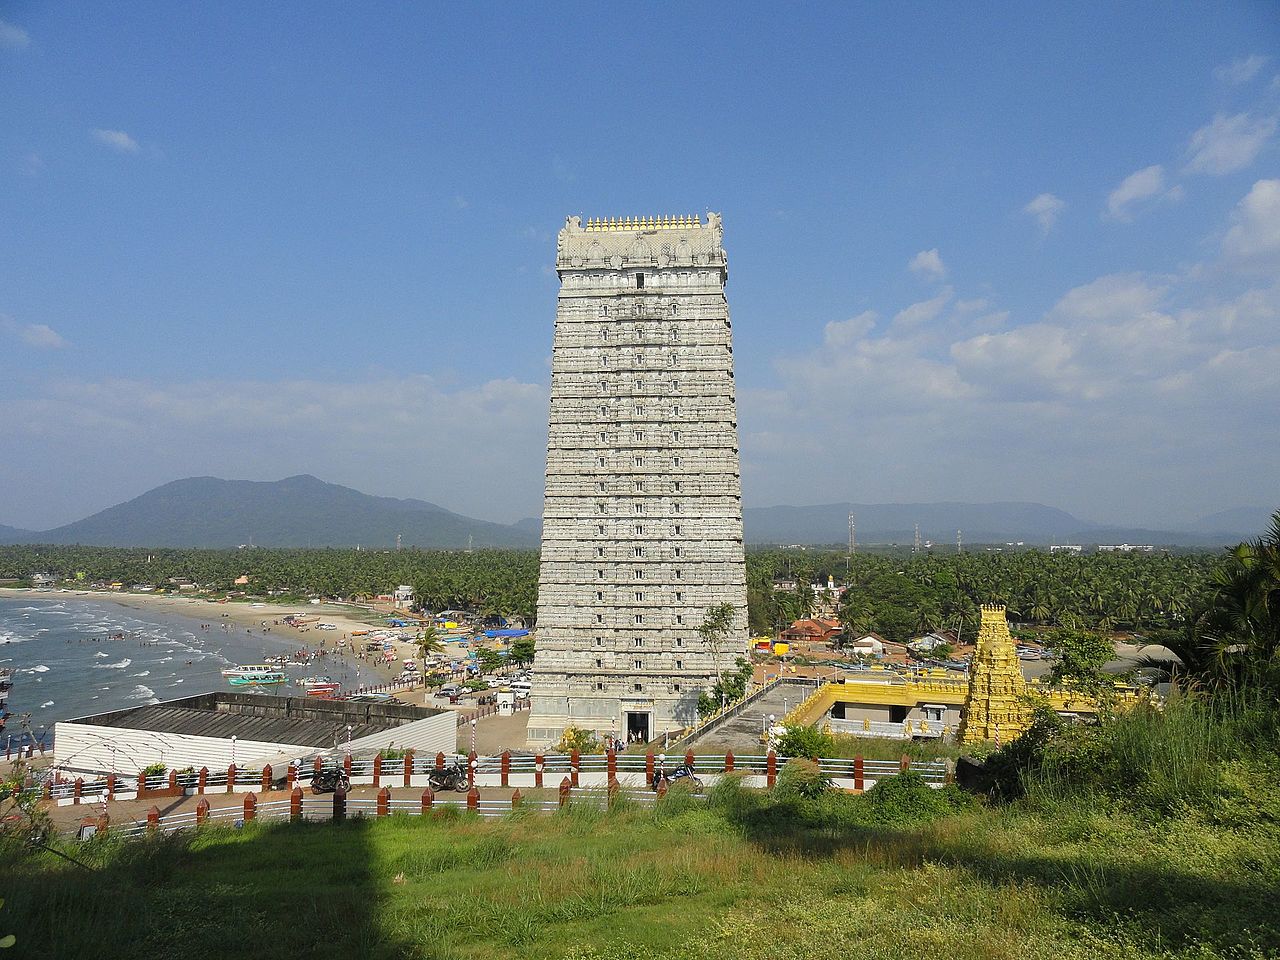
pixel 638 726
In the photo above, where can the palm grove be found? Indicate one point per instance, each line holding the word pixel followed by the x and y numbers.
pixel 1217 611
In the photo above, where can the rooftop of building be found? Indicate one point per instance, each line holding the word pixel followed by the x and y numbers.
pixel 306 721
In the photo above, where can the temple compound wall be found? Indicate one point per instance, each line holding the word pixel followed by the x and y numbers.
pixel 642 519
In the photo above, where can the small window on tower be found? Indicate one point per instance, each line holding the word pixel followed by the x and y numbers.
pixel 599 594
pixel 639 618
pixel 679 664
pixel 677 551
pixel 639 281
pixel 599 574
pixel 599 662
pixel 638 687
pixel 639 664
pixel 679 642
pixel 599 618
pixel 639 574
pixel 679 595
pixel 679 619
pixel 599 686
pixel 675 687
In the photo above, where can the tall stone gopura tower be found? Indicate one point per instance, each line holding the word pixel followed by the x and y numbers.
pixel 642 521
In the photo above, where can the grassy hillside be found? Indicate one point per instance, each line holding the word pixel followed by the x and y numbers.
pixel 1097 870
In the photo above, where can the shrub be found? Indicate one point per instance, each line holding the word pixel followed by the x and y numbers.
pixel 154 769
pixel 800 741
pixel 801 779
pixel 576 738
pixel 908 798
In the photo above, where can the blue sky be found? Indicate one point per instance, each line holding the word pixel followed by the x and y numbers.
pixel 976 251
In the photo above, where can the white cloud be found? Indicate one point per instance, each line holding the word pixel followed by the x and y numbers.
pixel 843 333
pixel 1227 144
pixel 1255 232
pixel 1134 189
pixel 922 312
pixel 1110 298
pixel 1240 71
pixel 13 36
pixel 928 264
pixel 37 335
pixel 1046 208
pixel 117 140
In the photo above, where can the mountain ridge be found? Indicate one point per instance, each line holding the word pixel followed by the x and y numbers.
pixel 303 510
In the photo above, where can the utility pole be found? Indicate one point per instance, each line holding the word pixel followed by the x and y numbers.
pixel 397 542
pixel 853 548
pixel 916 547
pixel 959 542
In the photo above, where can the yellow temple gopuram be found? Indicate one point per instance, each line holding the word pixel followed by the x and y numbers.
pixel 993 703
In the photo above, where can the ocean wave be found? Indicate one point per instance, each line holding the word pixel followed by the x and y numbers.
pixel 143 692
pixel 175 683
pixel 113 666
pixel 100 653
pixel 47 703
pixel 38 668
pixel 144 673
pixel 11 638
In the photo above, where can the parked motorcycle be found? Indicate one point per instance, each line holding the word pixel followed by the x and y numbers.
pixel 448 778
pixel 679 774
pixel 328 781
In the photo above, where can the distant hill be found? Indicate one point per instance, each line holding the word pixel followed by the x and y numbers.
pixel 895 523
pixel 1242 523
pixel 304 511
pixel 14 535
pixel 295 512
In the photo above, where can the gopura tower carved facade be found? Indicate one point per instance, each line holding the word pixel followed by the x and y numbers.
pixel 642 520
pixel 995 707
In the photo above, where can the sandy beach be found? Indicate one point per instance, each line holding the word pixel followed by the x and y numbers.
pixel 347 619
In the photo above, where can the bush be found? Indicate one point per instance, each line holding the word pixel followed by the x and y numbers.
pixel 575 738
pixel 1147 757
pixel 801 741
pixel 801 779
pixel 154 769
pixel 908 798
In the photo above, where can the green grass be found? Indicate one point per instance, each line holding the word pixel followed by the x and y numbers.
pixel 1158 866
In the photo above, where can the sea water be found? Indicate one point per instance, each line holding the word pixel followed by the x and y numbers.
pixel 66 666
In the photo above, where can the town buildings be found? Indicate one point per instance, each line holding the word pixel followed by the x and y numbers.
pixel 642 520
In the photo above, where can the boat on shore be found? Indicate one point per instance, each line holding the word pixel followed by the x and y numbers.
pixel 254 675
pixel 321 687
